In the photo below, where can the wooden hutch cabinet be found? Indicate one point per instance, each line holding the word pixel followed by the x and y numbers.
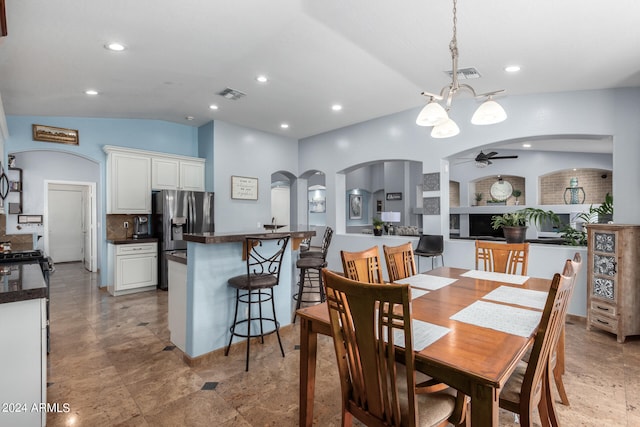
pixel 613 279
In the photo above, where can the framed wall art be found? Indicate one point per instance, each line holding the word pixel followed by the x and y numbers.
pixel 355 206
pixel 54 134
pixel 394 196
pixel 244 188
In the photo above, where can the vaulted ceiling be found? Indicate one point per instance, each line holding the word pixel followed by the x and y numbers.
pixel 373 57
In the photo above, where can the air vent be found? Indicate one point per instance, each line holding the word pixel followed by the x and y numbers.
pixel 466 73
pixel 232 94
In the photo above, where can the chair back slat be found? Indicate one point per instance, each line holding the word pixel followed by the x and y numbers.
pixel 400 261
pixel 363 266
pixel 510 258
pixel 360 314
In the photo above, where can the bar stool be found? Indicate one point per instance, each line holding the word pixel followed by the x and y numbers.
pixel 264 260
pixel 313 262
pixel 430 246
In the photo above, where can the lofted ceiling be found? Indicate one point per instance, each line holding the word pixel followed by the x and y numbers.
pixel 373 57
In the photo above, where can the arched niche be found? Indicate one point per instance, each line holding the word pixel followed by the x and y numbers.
pixel 575 186
pixel 316 197
pixel 483 185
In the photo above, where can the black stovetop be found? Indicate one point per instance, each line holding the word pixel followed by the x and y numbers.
pixel 21 256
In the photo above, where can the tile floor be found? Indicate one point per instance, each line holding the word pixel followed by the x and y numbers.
pixel 111 360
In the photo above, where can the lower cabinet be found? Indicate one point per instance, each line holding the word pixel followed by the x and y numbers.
pixel 178 303
pixel 23 363
pixel 133 267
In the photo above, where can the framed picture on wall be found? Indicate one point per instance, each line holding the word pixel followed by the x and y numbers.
pixel 244 188
pixel 355 206
pixel 394 196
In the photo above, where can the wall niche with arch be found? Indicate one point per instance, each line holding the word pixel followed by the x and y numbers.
pixel 483 186
pixel 594 184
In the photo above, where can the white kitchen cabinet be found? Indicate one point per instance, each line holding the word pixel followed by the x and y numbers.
pixel 177 174
pixel 133 267
pixel 177 278
pixel 165 173
pixel 23 363
pixel 192 175
pixel 128 183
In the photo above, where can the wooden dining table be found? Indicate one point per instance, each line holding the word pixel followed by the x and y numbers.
pixel 475 360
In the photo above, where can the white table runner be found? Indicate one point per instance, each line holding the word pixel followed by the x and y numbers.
pixel 503 318
pixel 426 281
pixel 523 297
pixel 514 279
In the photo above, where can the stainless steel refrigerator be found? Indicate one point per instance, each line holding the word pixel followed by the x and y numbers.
pixel 175 213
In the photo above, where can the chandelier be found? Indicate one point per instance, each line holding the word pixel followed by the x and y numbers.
pixel 434 114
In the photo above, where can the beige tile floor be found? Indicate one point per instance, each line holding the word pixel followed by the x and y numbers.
pixel 111 360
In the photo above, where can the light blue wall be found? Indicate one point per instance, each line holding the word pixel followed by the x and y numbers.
pixel 94 133
pixel 205 150
pixel 239 151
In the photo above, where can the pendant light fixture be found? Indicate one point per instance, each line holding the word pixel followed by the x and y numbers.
pixel 434 114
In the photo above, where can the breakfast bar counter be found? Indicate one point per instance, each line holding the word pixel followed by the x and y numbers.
pixel 207 302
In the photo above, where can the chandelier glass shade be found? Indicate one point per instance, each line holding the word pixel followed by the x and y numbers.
pixel 436 115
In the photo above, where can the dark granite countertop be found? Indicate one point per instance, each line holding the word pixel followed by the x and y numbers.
pixel 21 282
pixel 301 232
pixel 179 257
pixel 133 241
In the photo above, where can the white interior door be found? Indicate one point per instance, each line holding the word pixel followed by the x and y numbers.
pixel 87 208
pixel 66 223
pixel 280 201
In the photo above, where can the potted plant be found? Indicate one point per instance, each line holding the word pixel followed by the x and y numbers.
pixel 516 194
pixel 378 225
pixel 515 224
pixel 478 198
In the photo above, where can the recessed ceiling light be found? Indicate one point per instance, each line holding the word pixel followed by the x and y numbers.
pixel 284 125
pixel 512 68
pixel 336 107
pixel 116 47
pixel 91 92
pixel 213 107
pixel 526 145
pixel 262 79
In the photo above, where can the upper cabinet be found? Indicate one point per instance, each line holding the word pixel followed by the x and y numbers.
pixel 133 174
pixel 177 174
pixel 128 183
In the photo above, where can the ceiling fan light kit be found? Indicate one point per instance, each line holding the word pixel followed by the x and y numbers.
pixel 434 114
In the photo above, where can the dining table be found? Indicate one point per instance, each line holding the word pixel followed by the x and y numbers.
pixel 484 322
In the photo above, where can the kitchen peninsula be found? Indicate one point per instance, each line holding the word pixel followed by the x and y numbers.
pixel 201 304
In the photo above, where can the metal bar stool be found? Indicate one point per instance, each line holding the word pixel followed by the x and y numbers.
pixel 264 260
pixel 311 264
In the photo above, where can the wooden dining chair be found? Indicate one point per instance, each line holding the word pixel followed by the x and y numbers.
pixel 558 360
pixel 376 389
pixel 363 266
pixel 529 385
pixel 400 261
pixel 502 257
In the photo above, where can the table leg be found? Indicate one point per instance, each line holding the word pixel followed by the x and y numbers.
pixel 308 354
pixel 484 406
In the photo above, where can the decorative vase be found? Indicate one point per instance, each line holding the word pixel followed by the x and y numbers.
pixel 377 231
pixel 514 234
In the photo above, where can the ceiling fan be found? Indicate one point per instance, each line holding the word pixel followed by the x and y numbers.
pixel 482 160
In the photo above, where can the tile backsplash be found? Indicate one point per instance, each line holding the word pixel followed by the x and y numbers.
pixel 115 226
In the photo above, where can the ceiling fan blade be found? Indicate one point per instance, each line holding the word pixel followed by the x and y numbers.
pixel 491 154
pixel 504 157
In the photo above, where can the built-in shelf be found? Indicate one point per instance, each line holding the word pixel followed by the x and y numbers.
pixel 16 187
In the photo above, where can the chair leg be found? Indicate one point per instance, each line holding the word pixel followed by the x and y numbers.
pixel 260 294
pixel 233 325
pixel 248 332
pixel 300 287
pixel 275 321
pixel 323 298
pixel 551 408
pixel 558 369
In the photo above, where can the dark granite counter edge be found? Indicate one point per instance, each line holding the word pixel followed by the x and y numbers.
pixel 132 241
pixel 22 295
pixel 208 238
pixel 180 258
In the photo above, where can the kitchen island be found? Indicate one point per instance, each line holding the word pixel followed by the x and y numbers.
pixel 206 302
